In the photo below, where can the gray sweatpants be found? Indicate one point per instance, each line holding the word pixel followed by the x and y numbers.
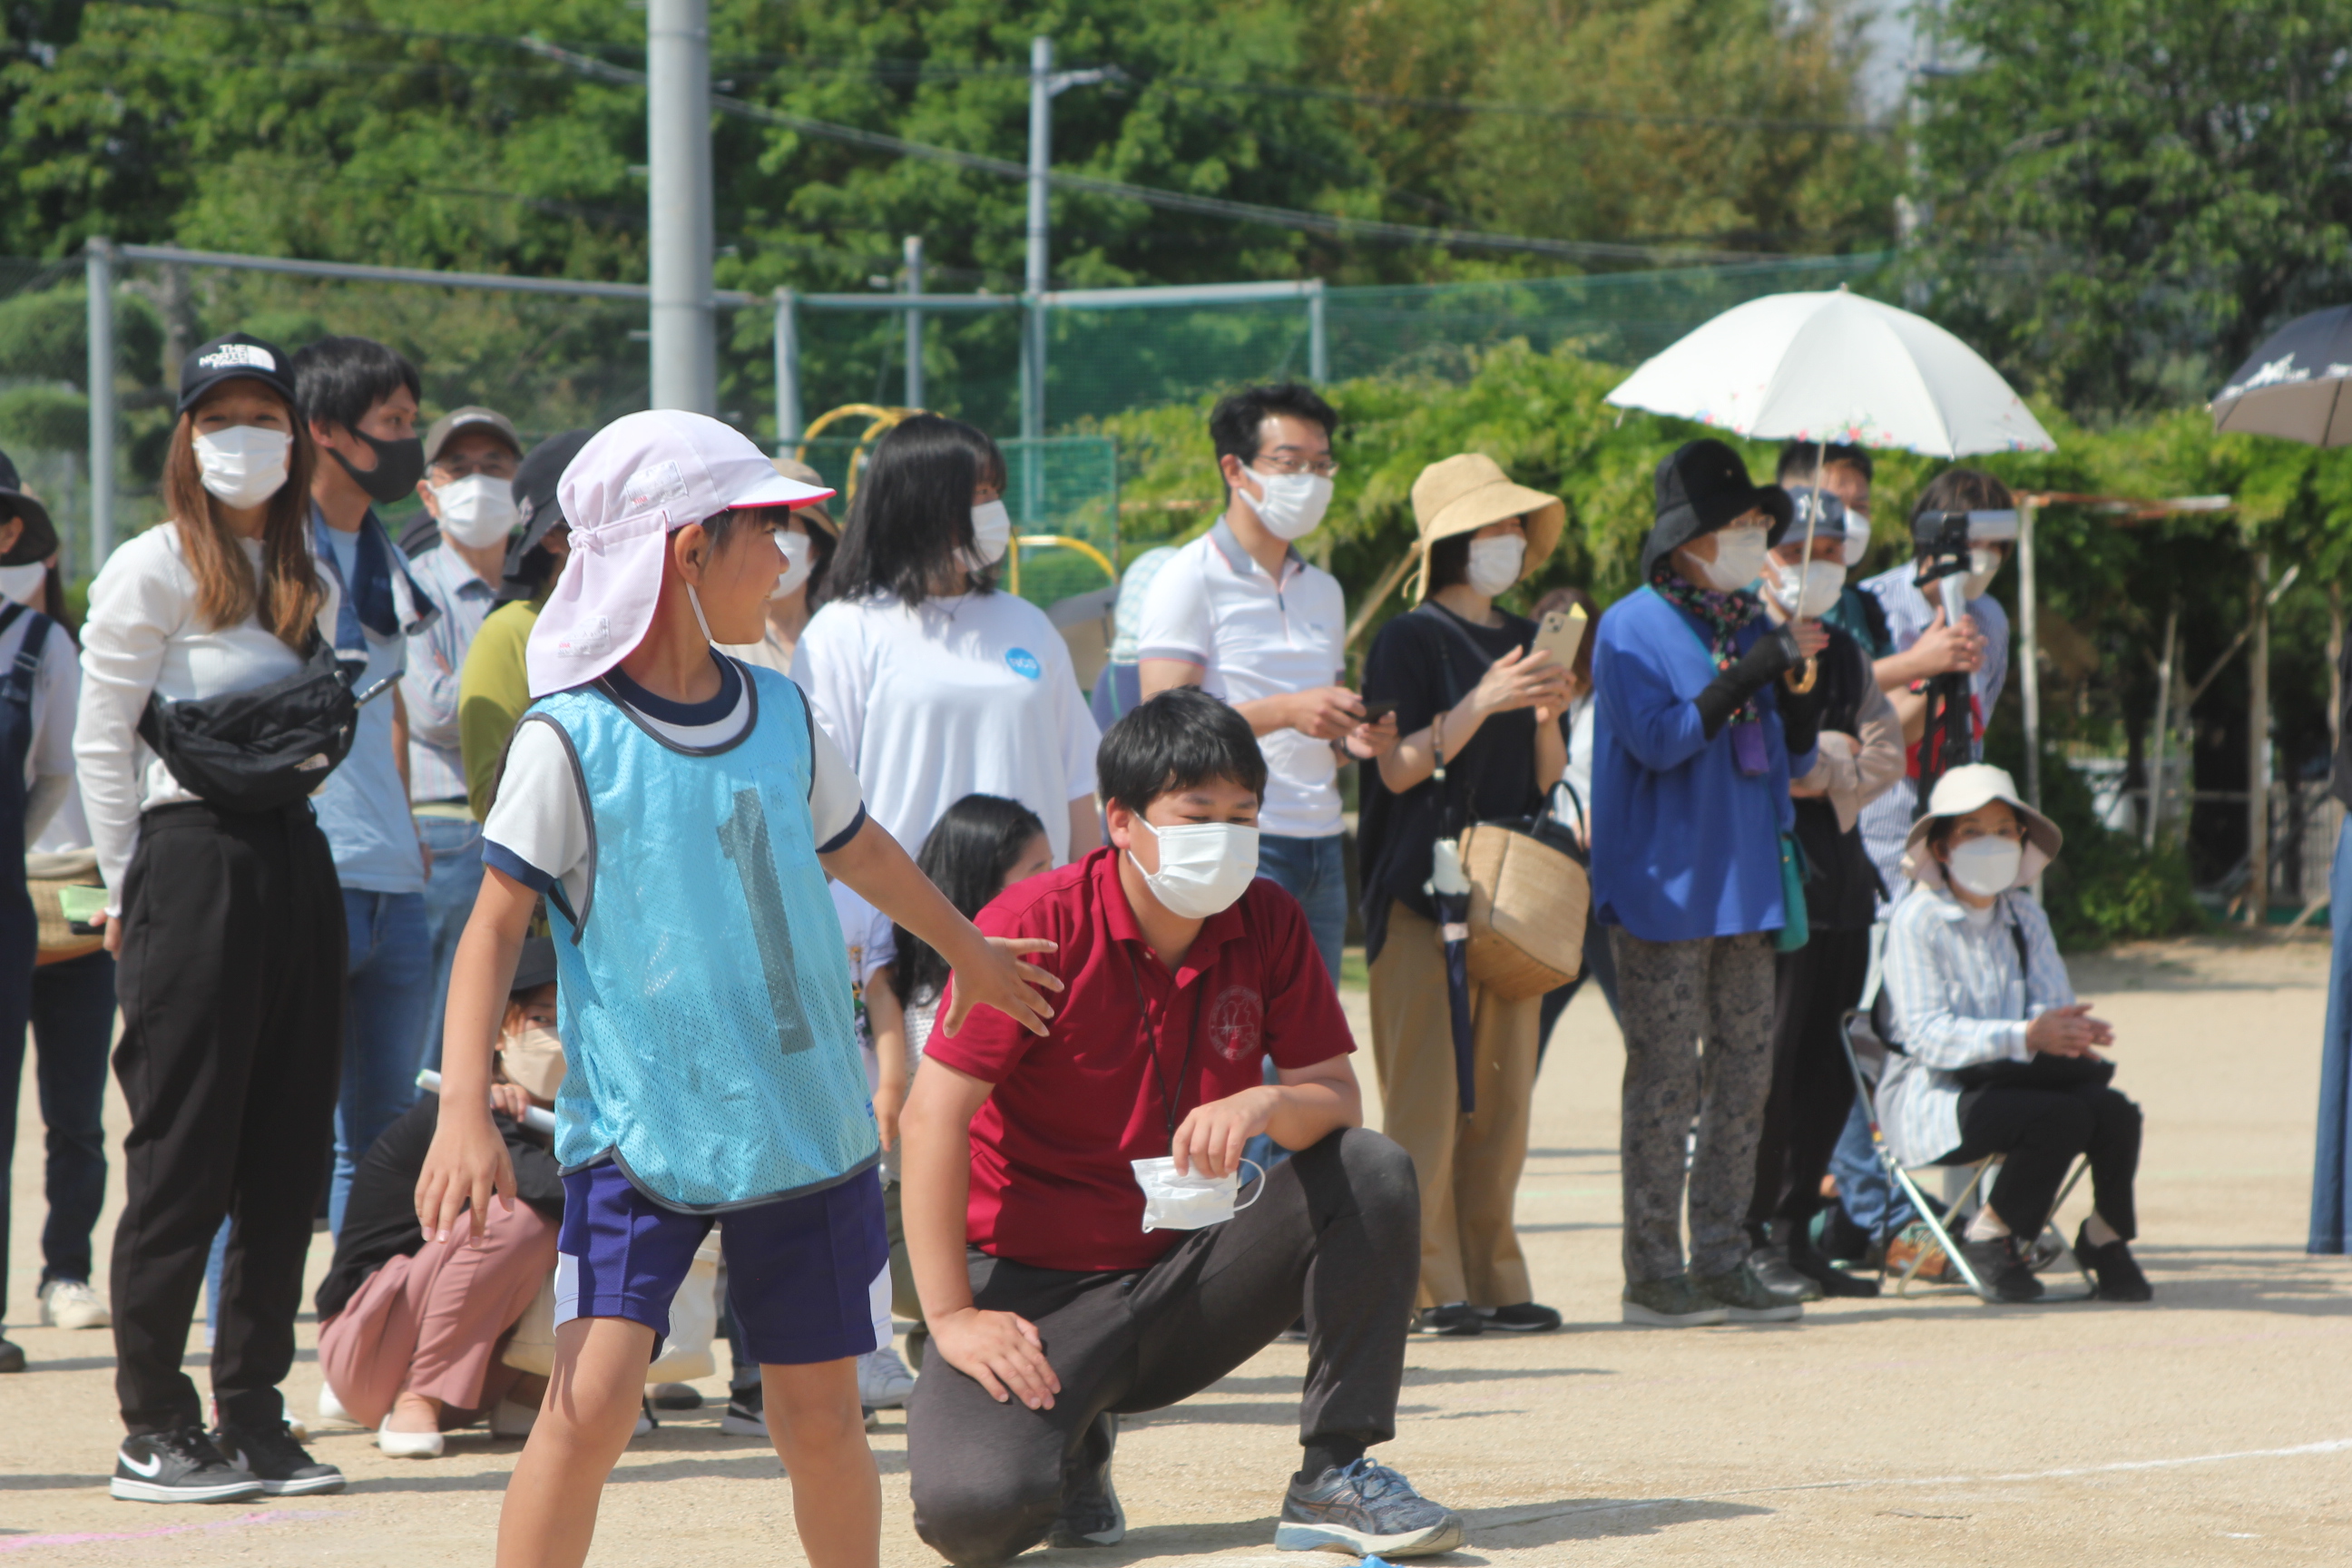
pixel 1670 996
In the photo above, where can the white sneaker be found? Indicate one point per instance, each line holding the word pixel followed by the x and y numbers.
pixel 410 1444
pixel 332 1408
pixel 645 1421
pixel 73 1304
pixel 513 1420
pixel 883 1380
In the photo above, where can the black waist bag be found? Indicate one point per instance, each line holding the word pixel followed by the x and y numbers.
pixel 257 751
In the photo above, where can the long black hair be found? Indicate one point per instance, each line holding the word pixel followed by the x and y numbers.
pixel 913 511
pixel 966 856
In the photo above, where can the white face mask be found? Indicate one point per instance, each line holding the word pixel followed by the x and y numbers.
pixel 244 465
pixel 533 1058
pixel 1171 1202
pixel 1292 505
pixel 1983 562
pixel 799 555
pixel 1204 866
pixel 1805 592
pixel 1858 536
pixel 25 584
pixel 1494 563
pixel 477 510
pixel 1740 558
pixel 991 534
pixel 1985 866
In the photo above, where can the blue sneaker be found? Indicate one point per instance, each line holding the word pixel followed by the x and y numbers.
pixel 1361 1508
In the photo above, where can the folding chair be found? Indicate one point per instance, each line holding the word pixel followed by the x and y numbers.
pixel 1865 1055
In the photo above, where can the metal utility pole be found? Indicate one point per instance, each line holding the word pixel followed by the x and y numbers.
pixel 2258 750
pixel 914 250
pixel 2028 669
pixel 788 371
pixel 1037 279
pixel 679 205
pixel 99 273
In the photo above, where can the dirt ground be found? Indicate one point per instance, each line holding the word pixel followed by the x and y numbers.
pixel 2195 1430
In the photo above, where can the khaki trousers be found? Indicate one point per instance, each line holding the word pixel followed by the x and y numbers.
pixel 1469 1166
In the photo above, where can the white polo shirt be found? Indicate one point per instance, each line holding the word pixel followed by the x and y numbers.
pixel 1257 636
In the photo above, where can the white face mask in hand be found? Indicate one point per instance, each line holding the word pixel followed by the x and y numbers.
pixel 800 555
pixel 991 534
pixel 1494 563
pixel 1986 866
pixel 1291 505
pixel 477 510
pixel 244 465
pixel 1739 559
pixel 1204 866
pixel 1806 592
pixel 1171 1202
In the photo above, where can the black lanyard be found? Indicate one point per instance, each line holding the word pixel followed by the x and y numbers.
pixel 1168 1099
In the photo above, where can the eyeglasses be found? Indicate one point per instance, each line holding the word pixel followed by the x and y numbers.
pixel 1321 468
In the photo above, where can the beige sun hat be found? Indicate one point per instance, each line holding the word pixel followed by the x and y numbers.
pixel 1463 494
pixel 793 468
pixel 1962 791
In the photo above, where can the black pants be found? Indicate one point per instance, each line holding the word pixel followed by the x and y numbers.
pixel 231 981
pixel 1812 1087
pixel 73 1024
pixel 1338 1231
pixel 2039 1131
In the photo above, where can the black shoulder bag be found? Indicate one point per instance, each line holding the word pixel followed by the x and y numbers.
pixel 2041 1070
pixel 259 750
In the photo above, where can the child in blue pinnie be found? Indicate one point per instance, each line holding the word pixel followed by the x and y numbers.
pixel 679 810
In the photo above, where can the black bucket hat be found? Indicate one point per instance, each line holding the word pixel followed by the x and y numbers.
pixel 37 540
pixel 535 965
pixel 237 355
pixel 1701 486
pixel 535 502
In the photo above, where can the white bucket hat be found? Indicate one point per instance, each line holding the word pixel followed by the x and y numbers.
pixel 636 480
pixel 1962 791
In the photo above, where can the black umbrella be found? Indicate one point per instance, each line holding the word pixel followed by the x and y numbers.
pixel 2293 386
pixel 1454 926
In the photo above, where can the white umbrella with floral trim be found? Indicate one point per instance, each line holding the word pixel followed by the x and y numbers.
pixel 1836 367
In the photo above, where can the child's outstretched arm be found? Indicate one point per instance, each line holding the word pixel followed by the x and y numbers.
pixel 469 1159
pixel 989 971
pixel 885 1021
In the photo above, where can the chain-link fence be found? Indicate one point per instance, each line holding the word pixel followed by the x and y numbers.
pixel 555 360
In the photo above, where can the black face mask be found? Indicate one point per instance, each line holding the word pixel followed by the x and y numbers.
pixel 398 466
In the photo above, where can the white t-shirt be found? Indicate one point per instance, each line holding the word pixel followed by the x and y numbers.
pixel 1255 637
pixel 972 694
pixel 873 947
pixel 537 831
pixel 57 687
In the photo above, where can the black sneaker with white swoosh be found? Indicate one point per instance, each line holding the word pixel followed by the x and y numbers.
pixel 179 1466
pixel 283 1466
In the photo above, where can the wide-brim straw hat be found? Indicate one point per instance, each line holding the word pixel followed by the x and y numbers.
pixel 1463 494
pixel 1962 791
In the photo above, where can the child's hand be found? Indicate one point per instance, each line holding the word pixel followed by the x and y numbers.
pixel 888 1100
pixel 467 1163
pixel 1002 981
pixel 510 1098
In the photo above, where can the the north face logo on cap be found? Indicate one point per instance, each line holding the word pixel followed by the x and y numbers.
pixel 244 356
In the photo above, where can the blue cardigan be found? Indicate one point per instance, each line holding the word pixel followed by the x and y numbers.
pixel 1683 844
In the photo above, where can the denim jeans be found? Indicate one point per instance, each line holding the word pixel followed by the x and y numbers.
pixel 1600 966
pixel 450 890
pixel 1315 872
pixel 1869 1199
pixel 389 979
pixel 2331 1172
pixel 71 1007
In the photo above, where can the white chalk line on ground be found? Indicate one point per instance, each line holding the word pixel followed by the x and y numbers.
pixel 2333 1446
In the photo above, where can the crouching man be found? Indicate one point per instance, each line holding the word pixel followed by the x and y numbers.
pixel 1058 1299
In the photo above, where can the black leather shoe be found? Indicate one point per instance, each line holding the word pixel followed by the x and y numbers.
pixel 2115 1269
pixel 1806 1260
pixel 1525 1318
pixel 1455 1320
pixel 1771 1266
pixel 2006 1278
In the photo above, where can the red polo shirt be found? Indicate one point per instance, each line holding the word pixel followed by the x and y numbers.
pixel 1051 1185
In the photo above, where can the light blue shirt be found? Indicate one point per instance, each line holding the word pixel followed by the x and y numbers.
pixel 1684 845
pixel 1960 1001
pixel 436 767
pixel 363 807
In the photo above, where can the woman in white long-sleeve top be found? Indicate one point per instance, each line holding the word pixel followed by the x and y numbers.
pixel 1996 1055
pixel 229 928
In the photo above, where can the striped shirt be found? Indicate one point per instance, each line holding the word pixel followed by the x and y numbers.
pixel 436 655
pixel 1959 999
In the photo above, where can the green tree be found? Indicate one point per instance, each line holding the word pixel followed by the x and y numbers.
pixel 2124 196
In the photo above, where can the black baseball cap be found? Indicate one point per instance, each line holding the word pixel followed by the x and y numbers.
pixel 226 359
pixel 535 965
pixel 39 539
pixel 535 503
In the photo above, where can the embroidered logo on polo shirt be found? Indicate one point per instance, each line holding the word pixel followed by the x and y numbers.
pixel 1236 1022
pixel 1025 664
